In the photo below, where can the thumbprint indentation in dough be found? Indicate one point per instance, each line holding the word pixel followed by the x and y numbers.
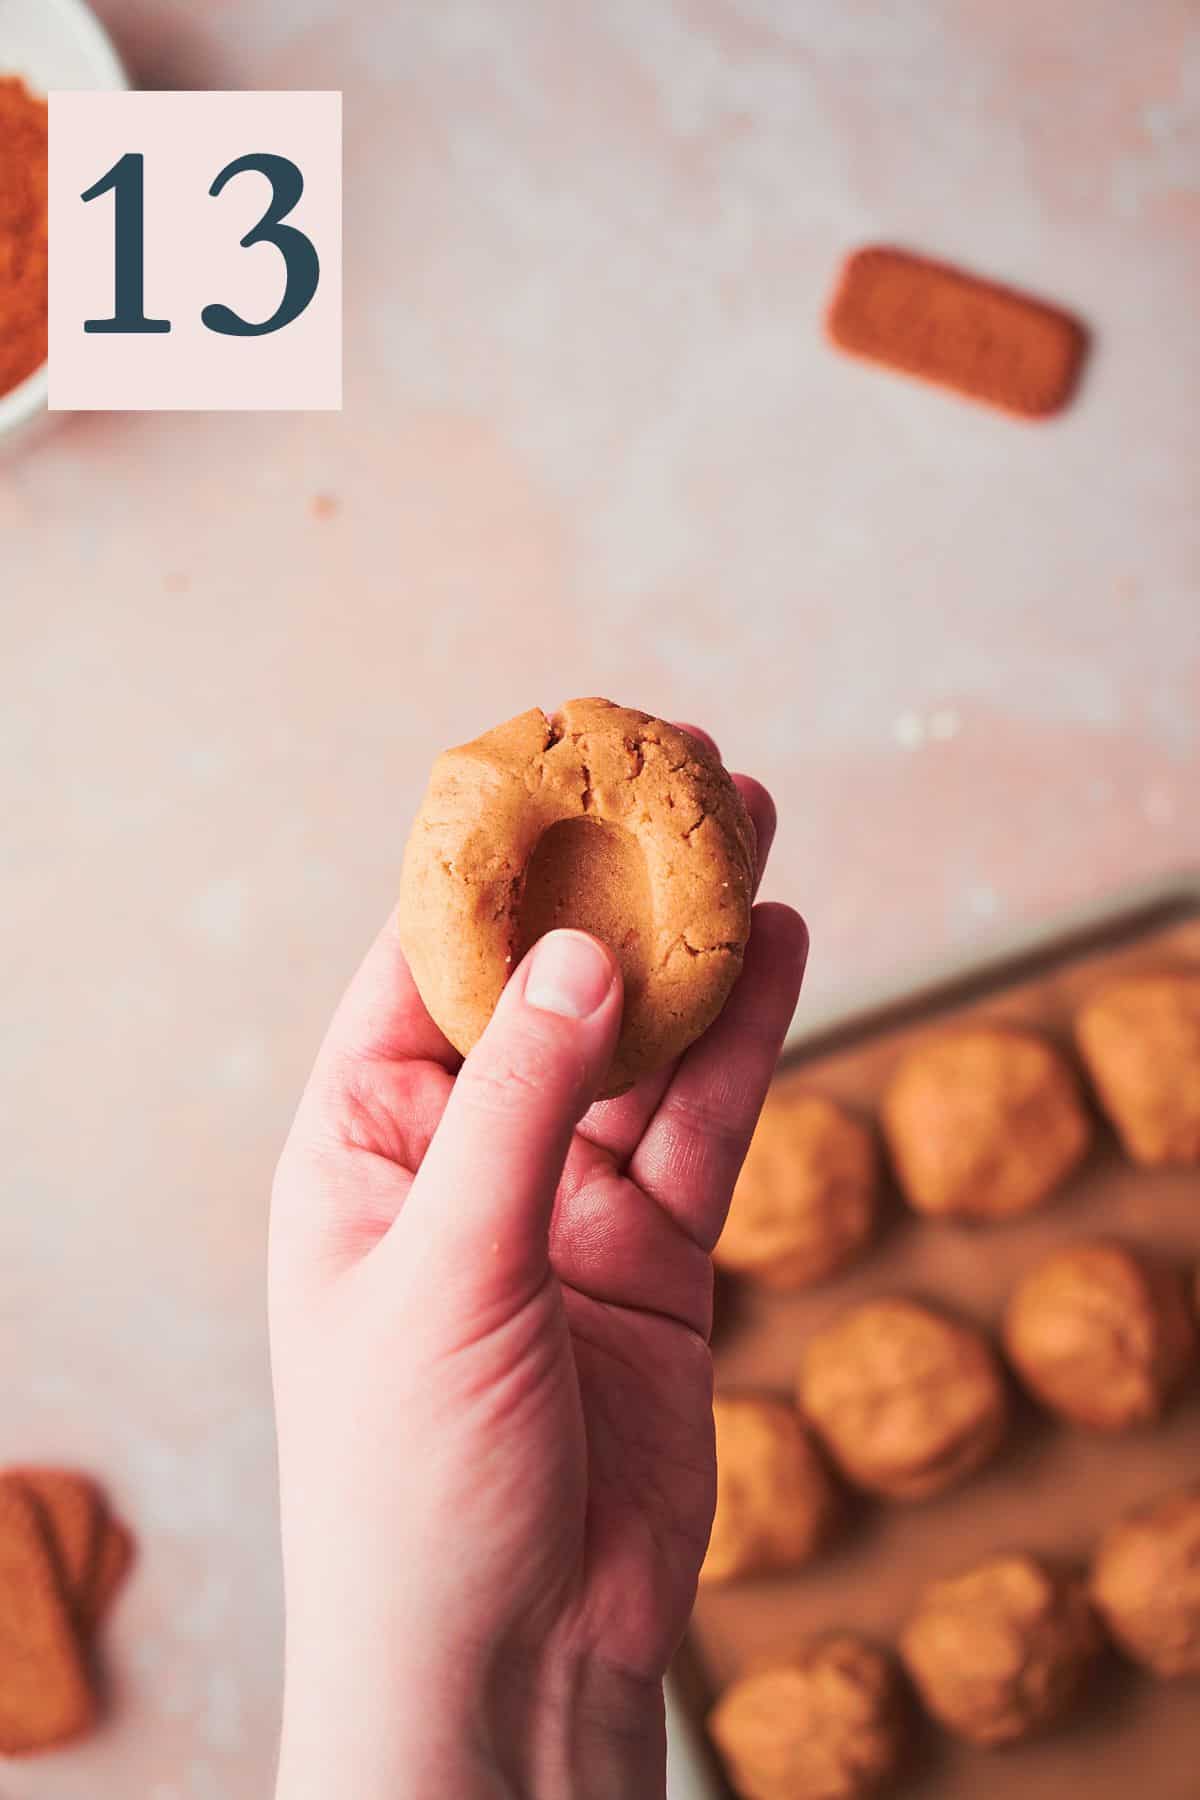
pixel 591 875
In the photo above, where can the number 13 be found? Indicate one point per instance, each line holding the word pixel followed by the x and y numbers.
pixel 127 181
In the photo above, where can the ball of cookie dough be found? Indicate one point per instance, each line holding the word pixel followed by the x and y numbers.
pixel 829 1724
pixel 776 1501
pixel 1146 1583
pixel 906 1400
pixel 1100 1333
pixel 1000 1652
pixel 600 818
pixel 984 1123
pixel 806 1201
pixel 1140 1039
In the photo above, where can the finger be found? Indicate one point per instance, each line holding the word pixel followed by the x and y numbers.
pixel 328 1211
pixel 617 1125
pixel 701 736
pixel 479 1209
pixel 382 1016
pixel 612 1242
pixel 692 1150
pixel 381 1074
pixel 375 1095
pixel 759 804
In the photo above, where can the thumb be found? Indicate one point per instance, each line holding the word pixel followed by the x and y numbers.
pixel 480 1206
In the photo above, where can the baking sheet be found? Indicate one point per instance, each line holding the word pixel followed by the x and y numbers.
pixel 1051 1489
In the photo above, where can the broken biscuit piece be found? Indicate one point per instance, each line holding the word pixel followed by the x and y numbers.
pixel 73 1514
pixel 112 1565
pixel 45 1696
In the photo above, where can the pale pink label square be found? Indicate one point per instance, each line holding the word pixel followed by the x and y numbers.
pixel 191 251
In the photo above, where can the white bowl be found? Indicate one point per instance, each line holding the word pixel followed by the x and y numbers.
pixel 51 44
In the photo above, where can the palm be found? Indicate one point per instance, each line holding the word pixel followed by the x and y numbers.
pixel 646 1401
pixel 636 1289
pixel 642 1197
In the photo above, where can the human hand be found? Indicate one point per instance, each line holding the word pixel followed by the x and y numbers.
pixel 490 1306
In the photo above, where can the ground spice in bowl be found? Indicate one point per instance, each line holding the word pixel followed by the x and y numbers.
pixel 24 154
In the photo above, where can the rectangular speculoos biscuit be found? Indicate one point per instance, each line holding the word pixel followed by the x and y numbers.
pixel 957 330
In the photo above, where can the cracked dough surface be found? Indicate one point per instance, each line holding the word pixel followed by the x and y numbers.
pixel 1146 1583
pixel 907 1400
pixel 829 1723
pixel 776 1502
pixel 1100 1333
pixel 1140 1038
pixel 806 1201
pixel 1001 1651
pixel 597 817
pixel 984 1122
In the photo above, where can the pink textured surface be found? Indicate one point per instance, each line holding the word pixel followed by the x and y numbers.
pixel 593 443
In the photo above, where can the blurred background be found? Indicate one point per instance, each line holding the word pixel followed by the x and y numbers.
pixel 593 443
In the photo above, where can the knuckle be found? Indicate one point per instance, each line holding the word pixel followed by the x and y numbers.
pixel 713 1120
pixel 526 1067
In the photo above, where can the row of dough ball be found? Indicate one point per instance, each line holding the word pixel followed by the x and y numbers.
pixel 982 1122
pixel 995 1654
pixel 908 1401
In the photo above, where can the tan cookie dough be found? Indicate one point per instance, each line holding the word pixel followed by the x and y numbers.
pixel 599 818
pixel 1000 1652
pixel 776 1502
pixel 1140 1038
pixel 907 1401
pixel 984 1123
pixel 1146 1583
pixel 806 1201
pixel 1100 1333
pixel 828 1724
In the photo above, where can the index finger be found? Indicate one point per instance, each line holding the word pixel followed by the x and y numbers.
pixel 381 1016
pixel 692 1150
